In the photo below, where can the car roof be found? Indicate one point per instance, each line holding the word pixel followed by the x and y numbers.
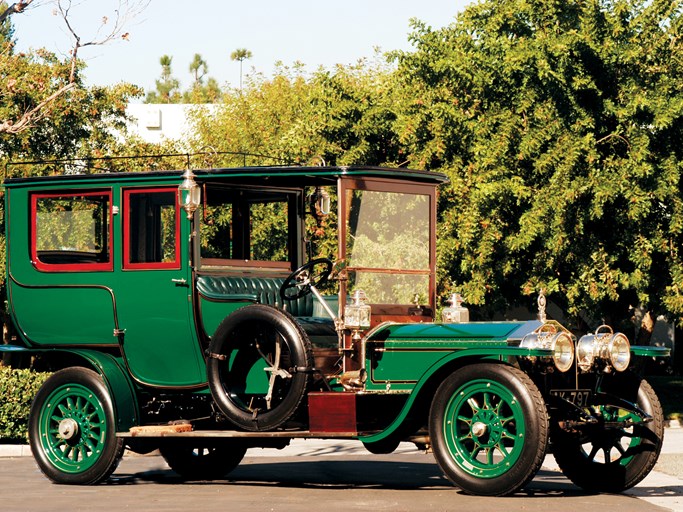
pixel 292 175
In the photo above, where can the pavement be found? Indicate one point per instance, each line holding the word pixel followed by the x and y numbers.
pixel 663 487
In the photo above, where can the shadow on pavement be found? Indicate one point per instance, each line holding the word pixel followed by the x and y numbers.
pixel 356 474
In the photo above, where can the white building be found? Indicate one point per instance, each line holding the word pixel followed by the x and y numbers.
pixel 156 122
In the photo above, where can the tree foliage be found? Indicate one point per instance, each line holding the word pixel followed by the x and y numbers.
pixel 343 115
pixel 559 124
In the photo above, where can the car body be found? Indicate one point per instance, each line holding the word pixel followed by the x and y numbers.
pixel 197 312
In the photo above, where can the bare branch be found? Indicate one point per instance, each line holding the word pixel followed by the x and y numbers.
pixel 126 11
pixel 30 117
pixel 15 8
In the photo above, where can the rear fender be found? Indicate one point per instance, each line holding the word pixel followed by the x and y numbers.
pixel 119 385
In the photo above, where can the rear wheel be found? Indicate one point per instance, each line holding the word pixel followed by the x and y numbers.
pixel 203 462
pixel 72 429
pixel 489 429
pixel 619 451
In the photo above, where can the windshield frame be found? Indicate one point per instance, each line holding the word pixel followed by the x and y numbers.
pixel 347 184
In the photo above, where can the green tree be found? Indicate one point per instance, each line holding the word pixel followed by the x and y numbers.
pixel 353 108
pixel 241 54
pixel 344 115
pixel 199 68
pixel 559 124
pixel 167 86
pixel 200 92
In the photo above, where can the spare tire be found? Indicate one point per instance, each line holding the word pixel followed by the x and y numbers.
pixel 259 367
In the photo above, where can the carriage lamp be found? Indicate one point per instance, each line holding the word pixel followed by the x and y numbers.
pixel 190 193
pixel 561 343
pixel 604 348
pixel 357 314
pixel 320 201
pixel 455 313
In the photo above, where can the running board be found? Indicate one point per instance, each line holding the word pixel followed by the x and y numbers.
pixel 156 431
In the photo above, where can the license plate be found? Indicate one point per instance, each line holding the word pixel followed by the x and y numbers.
pixel 578 397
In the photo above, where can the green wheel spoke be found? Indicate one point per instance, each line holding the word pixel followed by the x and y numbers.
pixel 505 434
pixel 90 445
pixel 502 449
pixel 505 420
pixel 489 456
pixel 475 452
pixel 487 401
pixel 78 406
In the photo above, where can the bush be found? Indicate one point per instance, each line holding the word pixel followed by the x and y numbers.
pixel 17 389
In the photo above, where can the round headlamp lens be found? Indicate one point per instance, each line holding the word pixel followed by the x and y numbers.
pixel 563 351
pixel 620 352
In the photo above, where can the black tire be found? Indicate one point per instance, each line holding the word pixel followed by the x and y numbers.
pixel 72 428
pixel 488 426
pixel 208 461
pixel 612 459
pixel 236 362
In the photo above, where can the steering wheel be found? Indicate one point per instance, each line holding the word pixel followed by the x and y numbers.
pixel 308 275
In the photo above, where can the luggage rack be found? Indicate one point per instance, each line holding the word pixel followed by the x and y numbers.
pixel 151 162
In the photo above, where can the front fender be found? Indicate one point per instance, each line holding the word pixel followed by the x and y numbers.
pixel 444 366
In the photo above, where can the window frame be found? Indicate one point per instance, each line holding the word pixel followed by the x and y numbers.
pixel 294 201
pixel 176 264
pixel 71 267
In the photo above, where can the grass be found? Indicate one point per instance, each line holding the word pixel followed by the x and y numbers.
pixel 669 389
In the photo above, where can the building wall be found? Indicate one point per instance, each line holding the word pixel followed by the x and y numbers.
pixel 158 122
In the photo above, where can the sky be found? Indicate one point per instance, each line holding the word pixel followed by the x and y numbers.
pixel 313 32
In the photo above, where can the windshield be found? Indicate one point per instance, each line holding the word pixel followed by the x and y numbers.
pixel 388 245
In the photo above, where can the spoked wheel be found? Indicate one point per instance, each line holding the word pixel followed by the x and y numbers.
pixel 259 367
pixel 203 462
pixel 619 451
pixel 315 273
pixel 72 428
pixel 489 429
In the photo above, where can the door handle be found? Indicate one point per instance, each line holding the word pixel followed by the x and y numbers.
pixel 179 282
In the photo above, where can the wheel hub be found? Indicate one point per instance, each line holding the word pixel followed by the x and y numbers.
pixel 479 429
pixel 68 428
pixel 486 428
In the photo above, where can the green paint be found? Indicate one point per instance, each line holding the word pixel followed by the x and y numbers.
pixel 79 407
pixel 484 428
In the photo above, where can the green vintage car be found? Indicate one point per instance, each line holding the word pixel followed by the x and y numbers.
pixel 192 312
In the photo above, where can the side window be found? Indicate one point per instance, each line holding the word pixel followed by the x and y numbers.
pixel 151 229
pixel 71 231
pixel 247 228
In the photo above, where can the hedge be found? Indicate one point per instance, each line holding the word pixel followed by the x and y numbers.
pixel 17 389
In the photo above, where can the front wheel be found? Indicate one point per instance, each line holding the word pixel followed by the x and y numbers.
pixel 619 451
pixel 489 429
pixel 72 429
pixel 203 462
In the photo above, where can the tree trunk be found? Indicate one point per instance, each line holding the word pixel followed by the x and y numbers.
pixel 647 327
